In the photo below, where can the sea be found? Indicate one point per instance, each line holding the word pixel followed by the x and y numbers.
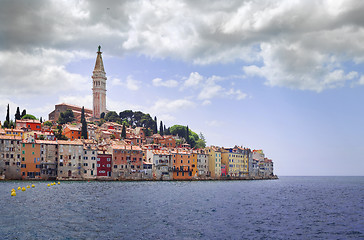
pixel 286 208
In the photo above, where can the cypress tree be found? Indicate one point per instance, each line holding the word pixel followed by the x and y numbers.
pixel 161 129
pixel 8 114
pixel 155 129
pixel 164 130
pixel 123 131
pixel 187 135
pixel 84 124
pixel 17 114
pixel 40 119
pixel 23 113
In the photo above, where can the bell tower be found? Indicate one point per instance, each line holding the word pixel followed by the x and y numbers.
pixel 99 86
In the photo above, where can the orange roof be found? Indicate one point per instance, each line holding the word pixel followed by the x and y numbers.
pixel 46 142
pixel 75 142
pixel 10 137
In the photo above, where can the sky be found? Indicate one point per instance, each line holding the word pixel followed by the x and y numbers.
pixel 285 76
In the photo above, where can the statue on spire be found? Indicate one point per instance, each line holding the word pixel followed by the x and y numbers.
pixel 99 48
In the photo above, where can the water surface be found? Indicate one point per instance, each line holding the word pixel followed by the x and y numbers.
pixel 288 208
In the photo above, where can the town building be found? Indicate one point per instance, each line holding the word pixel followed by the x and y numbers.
pixel 184 165
pixel 161 163
pixel 103 165
pixel 214 159
pixel 62 107
pixel 72 131
pixel 30 160
pixel 70 154
pixel 48 159
pixel 202 163
pixel 29 125
pixel 89 163
pixel 10 157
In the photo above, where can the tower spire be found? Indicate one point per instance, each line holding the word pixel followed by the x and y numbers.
pixel 99 86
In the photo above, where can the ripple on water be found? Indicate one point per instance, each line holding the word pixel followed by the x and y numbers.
pixel 288 208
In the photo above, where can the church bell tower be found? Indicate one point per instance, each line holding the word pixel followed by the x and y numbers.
pixel 99 86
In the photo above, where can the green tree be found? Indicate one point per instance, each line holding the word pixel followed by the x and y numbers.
pixel 17 114
pixel 161 129
pixel 155 129
pixel 102 115
pixel 123 132
pixel 112 116
pixel 84 124
pixel 7 119
pixel 187 135
pixel 48 123
pixel 23 113
pixel 29 116
pixel 147 132
pixel 59 134
pixel 66 117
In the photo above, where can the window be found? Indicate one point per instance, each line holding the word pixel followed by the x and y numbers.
pixel 23 166
pixel 115 166
pixel 85 171
pixel 92 172
pixel 108 165
pixel 85 164
pixel 7 163
pixel 61 164
pixel 108 159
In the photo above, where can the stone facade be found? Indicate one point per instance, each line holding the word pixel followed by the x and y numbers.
pixel 99 87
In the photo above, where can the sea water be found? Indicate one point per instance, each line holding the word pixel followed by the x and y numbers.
pixel 287 208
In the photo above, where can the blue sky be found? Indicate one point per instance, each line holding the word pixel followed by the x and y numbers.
pixel 283 76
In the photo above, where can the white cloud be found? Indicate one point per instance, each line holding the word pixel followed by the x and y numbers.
pixel 168 106
pixel 361 80
pixel 296 44
pixel 130 83
pixel 41 73
pixel 158 82
pixel 194 80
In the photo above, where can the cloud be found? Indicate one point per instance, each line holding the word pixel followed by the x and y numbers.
pixel 210 88
pixel 42 72
pixel 296 67
pixel 194 80
pixel 130 83
pixel 168 106
pixel 158 82
pixel 296 44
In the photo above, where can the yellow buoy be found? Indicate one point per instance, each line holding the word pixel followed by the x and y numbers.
pixel 23 189
pixel 13 190
pixel 28 186
pixel 33 186
pixel 51 184
pixel 48 185
pixel 19 188
pixel 13 193
pixel 59 183
pixel 54 183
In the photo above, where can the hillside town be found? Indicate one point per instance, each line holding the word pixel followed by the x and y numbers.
pixel 88 147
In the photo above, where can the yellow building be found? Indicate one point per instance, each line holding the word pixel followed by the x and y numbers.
pixel 214 159
pixel 14 132
pixel 236 161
